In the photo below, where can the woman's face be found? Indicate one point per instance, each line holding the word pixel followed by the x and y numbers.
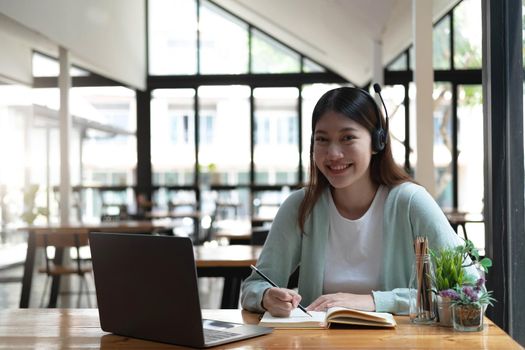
pixel 342 150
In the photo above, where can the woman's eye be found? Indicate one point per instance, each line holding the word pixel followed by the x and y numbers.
pixel 348 138
pixel 320 139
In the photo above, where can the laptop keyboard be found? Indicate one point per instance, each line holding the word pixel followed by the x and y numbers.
pixel 211 335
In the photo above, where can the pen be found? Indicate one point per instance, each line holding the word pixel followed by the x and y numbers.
pixel 273 284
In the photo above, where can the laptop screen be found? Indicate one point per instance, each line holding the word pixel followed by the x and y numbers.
pixel 146 288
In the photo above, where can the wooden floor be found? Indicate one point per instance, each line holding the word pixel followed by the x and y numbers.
pixel 12 255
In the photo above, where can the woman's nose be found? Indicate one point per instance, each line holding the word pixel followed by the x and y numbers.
pixel 334 151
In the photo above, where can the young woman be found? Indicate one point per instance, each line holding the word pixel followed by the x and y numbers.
pixel 351 230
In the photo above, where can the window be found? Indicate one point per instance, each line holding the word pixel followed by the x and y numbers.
pixel 310 66
pixel 467 35
pixel 173 136
pixel 400 63
pixel 471 157
pixel 276 128
pixel 441 43
pixel 179 128
pixel 115 108
pixel 269 56
pixel 223 40
pixel 394 97
pixel 172 37
pixel 224 139
pixel 207 127
pixel 470 148
pixel 443 143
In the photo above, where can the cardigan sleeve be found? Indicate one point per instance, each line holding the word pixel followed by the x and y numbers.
pixel 395 301
pixel 415 213
pixel 279 257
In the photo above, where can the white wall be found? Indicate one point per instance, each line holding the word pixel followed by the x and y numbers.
pixel 104 36
pixel 15 66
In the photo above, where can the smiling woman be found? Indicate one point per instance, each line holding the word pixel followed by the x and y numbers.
pixel 351 229
pixel 342 151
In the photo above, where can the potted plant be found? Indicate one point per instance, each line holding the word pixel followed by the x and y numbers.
pixel 468 305
pixel 449 273
pixel 31 210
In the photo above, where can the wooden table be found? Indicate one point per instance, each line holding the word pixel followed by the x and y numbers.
pixel 231 262
pixel 147 226
pixel 80 328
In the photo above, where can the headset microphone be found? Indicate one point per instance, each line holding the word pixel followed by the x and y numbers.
pixel 379 136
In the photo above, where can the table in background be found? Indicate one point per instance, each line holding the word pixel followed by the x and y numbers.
pixel 195 216
pixel 261 220
pixel 148 226
pixel 240 232
pixel 459 218
pixel 80 328
pixel 231 262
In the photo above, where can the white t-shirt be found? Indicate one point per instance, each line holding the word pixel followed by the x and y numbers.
pixel 354 248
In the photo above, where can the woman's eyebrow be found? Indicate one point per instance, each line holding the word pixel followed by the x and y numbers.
pixel 340 130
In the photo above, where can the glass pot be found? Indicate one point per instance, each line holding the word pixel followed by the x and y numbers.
pixel 467 318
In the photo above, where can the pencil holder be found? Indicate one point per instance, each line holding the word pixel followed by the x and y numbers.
pixel 422 301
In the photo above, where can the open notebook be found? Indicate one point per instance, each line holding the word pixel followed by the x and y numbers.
pixel 321 319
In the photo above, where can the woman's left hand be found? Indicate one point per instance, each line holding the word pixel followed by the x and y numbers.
pixel 363 302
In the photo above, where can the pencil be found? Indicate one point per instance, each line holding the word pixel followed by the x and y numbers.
pixel 273 284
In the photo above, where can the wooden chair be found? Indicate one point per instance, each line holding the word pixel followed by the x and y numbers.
pixel 64 239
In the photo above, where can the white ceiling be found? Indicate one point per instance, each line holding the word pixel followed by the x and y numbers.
pixel 339 34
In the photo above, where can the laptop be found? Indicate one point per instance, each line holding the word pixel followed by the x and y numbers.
pixel 146 288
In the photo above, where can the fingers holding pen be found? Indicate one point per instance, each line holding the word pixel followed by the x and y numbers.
pixel 280 301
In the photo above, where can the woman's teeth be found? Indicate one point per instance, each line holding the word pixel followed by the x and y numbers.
pixel 339 167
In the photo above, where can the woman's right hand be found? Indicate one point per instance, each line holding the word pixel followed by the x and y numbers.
pixel 280 302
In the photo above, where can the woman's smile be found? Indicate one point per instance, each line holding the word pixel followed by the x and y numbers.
pixel 338 168
pixel 342 150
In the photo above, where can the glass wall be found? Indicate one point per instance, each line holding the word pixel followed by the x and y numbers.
pixel 188 37
pixel 223 42
pixel 394 97
pixel 470 148
pixel 172 52
pixel 24 152
pixel 103 149
pixel 173 144
pixel 269 56
pixel 229 133
pixel 442 97
pixel 271 123
pixel 467 35
pixel 276 151
pixel 224 134
pixel 470 157
pixel 441 44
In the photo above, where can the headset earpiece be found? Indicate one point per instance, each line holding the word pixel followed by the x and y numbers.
pixel 379 135
pixel 378 140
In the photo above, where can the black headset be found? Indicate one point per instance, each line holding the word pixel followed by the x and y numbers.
pixel 379 135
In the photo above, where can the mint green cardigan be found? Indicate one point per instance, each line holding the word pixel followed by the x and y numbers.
pixel 409 211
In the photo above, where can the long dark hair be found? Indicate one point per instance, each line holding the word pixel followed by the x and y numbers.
pixel 359 106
